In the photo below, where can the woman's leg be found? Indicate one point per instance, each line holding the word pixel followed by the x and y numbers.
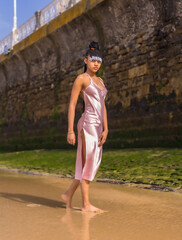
pixel 67 196
pixel 85 192
pixel 86 205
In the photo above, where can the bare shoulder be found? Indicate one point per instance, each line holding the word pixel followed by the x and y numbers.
pixel 81 76
pixel 79 79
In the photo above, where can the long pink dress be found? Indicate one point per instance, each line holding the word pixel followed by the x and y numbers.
pixel 91 121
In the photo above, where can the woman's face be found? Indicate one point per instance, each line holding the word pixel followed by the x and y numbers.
pixel 93 65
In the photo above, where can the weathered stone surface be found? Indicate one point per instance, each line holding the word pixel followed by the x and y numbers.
pixel 141 44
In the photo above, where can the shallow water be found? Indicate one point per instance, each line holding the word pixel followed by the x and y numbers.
pixel 31 208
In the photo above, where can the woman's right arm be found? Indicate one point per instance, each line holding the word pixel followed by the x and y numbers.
pixel 77 86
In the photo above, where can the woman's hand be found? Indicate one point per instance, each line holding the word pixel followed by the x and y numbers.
pixel 71 138
pixel 103 137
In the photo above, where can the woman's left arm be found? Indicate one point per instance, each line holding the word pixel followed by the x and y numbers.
pixel 105 125
pixel 103 135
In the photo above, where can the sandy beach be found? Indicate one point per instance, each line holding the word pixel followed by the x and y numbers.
pixel 31 208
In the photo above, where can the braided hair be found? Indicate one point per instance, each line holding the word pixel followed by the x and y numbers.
pixel 93 50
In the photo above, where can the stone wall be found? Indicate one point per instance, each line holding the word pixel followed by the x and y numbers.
pixel 141 43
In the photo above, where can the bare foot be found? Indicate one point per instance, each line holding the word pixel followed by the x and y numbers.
pixel 66 199
pixel 91 208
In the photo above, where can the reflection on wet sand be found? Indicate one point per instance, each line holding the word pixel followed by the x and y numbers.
pixel 77 232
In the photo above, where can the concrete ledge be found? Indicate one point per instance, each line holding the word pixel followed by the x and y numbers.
pixel 67 16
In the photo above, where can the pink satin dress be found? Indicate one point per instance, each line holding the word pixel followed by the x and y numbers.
pixel 91 121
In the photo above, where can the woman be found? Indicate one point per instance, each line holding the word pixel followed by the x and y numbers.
pixel 91 135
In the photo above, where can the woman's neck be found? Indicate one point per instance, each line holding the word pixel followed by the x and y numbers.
pixel 90 73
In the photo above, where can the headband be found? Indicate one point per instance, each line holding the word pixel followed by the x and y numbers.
pixel 96 58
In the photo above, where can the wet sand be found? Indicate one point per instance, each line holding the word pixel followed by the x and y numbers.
pixel 31 208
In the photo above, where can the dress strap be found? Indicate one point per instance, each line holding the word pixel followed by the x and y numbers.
pixel 94 82
pixel 102 82
pixel 89 77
